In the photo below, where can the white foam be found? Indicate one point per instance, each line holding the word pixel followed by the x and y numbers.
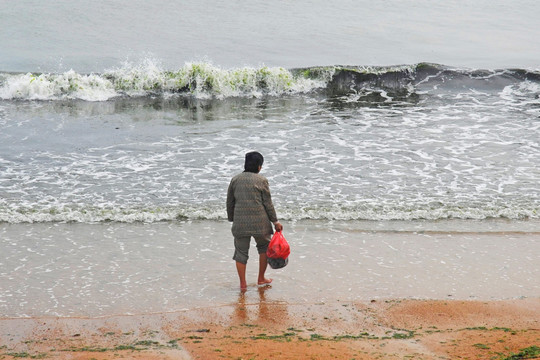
pixel 517 92
pixel 202 80
pixel 69 85
pixel 375 213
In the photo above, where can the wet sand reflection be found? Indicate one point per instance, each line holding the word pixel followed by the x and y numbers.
pixel 259 311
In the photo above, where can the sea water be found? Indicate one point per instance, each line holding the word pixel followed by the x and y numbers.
pixel 122 121
pixel 358 143
pixel 93 36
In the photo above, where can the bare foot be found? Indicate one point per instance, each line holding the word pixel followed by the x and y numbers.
pixel 264 282
pixel 243 286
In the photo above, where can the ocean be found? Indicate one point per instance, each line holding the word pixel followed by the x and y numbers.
pixel 390 123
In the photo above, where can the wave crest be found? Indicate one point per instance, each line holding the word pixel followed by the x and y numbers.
pixel 202 80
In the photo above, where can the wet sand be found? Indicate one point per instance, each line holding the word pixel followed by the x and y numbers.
pixel 169 291
pixel 390 329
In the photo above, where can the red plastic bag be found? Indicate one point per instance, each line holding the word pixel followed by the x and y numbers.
pixel 278 251
pixel 278 247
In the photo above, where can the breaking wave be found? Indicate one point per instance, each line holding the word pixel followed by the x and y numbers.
pixel 201 80
pixel 204 80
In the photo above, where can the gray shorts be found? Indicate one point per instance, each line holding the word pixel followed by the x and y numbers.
pixel 241 246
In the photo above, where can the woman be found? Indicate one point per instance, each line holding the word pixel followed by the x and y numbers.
pixel 250 208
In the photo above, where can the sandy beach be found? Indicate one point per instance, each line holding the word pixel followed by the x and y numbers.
pixel 99 292
pixel 390 329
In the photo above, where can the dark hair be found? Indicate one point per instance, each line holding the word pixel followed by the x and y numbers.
pixel 254 159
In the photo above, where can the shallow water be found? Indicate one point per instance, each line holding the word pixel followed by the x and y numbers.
pixel 118 268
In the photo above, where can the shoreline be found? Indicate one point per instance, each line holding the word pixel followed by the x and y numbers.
pixel 247 329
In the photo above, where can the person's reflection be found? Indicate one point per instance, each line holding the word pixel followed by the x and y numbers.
pixel 240 311
pixel 268 311
pixel 264 315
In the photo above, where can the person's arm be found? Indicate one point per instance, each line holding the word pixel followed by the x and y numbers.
pixel 269 206
pixel 230 202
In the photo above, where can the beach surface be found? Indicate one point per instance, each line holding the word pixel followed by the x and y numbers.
pixel 251 329
pixel 351 291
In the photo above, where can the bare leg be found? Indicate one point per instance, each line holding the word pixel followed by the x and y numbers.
pixel 263 263
pixel 241 268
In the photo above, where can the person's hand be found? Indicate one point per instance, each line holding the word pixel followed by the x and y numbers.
pixel 278 226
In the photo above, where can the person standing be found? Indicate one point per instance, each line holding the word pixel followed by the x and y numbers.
pixel 250 209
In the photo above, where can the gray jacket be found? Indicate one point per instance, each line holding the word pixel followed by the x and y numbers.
pixel 249 205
